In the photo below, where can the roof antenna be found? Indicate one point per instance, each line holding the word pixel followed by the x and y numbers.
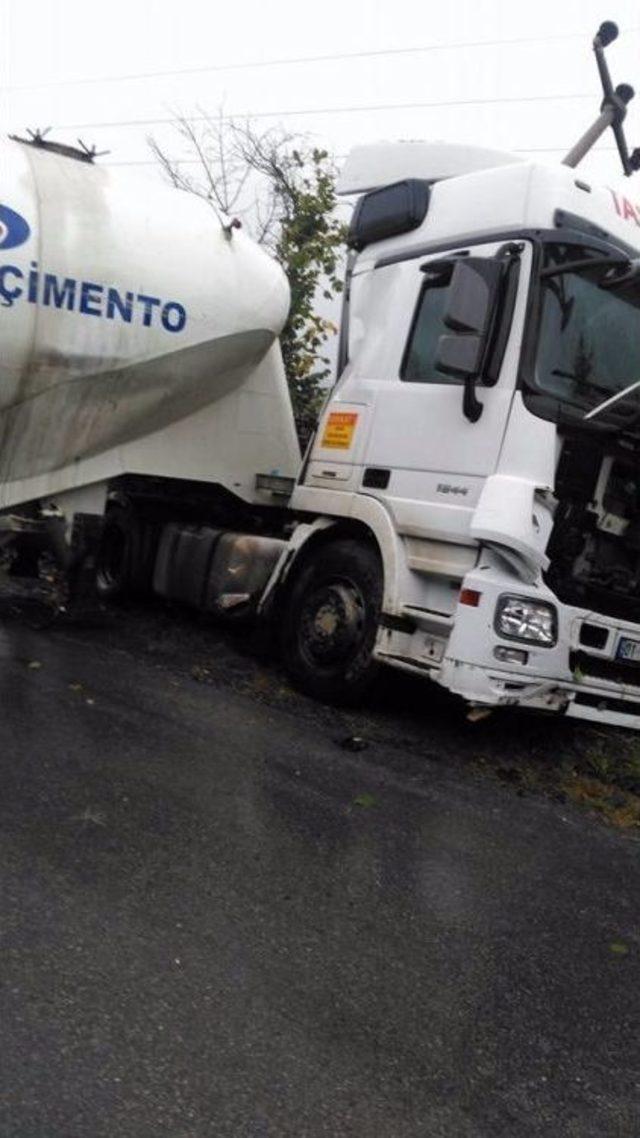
pixel 38 136
pixel 612 111
pixel 90 151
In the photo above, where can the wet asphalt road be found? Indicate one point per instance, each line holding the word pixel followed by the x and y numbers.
pixel 218 922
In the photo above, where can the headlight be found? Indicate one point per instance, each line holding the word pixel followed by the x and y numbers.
pixel 520 618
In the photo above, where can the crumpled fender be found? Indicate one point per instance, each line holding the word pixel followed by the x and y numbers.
pixel 509 517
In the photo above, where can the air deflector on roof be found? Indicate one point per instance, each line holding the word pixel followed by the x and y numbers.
pixel 388 212
pixel 377 164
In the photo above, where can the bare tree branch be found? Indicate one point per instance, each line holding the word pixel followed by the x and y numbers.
pixel 166 163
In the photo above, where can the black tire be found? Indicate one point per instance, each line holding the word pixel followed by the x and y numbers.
pixel 126 554
pixel 330 620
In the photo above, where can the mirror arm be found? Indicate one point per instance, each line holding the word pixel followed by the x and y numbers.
pixel 472 408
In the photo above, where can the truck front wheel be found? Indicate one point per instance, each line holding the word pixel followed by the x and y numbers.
pixel 330 621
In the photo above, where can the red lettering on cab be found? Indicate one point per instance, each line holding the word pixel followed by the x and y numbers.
pixel 624 208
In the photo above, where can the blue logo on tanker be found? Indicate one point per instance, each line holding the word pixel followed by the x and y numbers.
pixel 14 230
pixel 88 298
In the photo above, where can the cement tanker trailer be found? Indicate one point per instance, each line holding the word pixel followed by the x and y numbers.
pixel 138 336
pixel 140 375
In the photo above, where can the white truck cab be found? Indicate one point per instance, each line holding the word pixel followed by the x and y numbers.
pixel 463 432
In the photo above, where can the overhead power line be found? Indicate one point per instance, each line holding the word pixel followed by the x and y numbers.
pixel 326 111
pixel 560 149
pixel 339 157
pixel 256 64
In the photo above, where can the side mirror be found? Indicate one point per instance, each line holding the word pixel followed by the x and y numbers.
pixel 469 313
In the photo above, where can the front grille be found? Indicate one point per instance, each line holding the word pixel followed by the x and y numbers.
pixel 618 671
pixel 594 635
pixel 607 703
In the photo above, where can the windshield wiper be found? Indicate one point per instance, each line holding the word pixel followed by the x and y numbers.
pixel 587 263
pixel 613 399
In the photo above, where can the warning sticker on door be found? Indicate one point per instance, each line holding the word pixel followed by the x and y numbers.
pixel 339 428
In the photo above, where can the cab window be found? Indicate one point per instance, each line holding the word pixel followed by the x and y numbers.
pixel 419 363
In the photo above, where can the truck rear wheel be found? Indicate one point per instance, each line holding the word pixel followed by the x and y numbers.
pixel 126 554
pixel 330 622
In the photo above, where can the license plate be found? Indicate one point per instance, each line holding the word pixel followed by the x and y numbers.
pixel 628 650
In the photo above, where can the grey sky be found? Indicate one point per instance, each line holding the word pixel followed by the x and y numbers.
pixel 48 47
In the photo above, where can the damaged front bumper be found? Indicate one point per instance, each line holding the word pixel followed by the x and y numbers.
pixel 582 673
pixel 587 698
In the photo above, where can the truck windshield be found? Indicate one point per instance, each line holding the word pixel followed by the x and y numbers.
pixel 588 345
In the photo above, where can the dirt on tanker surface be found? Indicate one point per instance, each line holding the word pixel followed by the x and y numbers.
pixel 528 753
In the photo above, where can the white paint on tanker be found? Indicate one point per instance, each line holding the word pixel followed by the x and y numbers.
pixel 124 307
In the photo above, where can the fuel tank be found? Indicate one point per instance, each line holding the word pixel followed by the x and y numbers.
pixel 126 306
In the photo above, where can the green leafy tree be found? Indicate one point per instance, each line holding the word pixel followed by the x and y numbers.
pixel 283 190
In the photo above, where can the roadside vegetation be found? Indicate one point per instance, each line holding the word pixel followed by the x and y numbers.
pixel 599 769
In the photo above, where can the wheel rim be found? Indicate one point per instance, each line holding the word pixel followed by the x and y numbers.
pixel 332 624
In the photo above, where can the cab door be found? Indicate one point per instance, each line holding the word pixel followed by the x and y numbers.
pixel 436 457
